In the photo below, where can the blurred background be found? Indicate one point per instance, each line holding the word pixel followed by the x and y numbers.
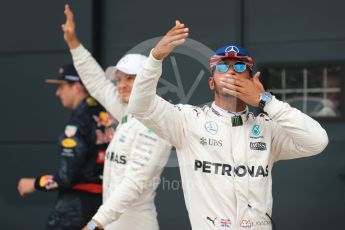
pixel 298 45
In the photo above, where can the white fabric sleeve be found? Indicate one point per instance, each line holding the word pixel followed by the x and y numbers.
pixel 294 134
pixel 166 120
pixel 149 154
pixel 98 85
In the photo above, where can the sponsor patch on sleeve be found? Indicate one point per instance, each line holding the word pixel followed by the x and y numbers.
pixel 100 157
pixel 149 131
pixel 91 101
pixel 104 119
pixel 44 180
pixel 70 130
pixel 68 143
pixel 48 182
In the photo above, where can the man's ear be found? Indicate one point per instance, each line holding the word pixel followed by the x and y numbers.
pixel 211 83
pixel 79 87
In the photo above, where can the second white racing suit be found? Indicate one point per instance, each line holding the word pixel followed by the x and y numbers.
pixel 226 170
pixel 134 159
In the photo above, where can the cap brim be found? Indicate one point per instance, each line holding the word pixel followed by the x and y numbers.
pixel 128 71
pixel 55 81
pixel 125 71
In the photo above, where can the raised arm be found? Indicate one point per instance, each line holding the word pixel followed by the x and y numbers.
pixel 92 75
pixel 166 120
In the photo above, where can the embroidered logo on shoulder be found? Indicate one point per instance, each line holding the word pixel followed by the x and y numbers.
pixel 149 131
pixel 196 111
pixel 124 119
pixel 68 143
pixel 70 130
pixel 265 116
pixel 100 156
pixel 205 107
pixel 103 119
pixel 178 107
pixel 91 101
pixel 211 127
pixel 256 131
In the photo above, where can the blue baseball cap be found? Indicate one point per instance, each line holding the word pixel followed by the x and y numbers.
pixel 233 52
pixel 68 74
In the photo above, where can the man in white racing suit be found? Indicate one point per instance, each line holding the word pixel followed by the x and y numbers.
pixel 225 153
pixel 135 157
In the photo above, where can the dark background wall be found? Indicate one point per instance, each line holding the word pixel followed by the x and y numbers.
pixel 308 193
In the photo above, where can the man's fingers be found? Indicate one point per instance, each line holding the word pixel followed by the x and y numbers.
pixel 229 86
pixel 178 42
pixel 256 76
pixel 173 41
pixel 174 31
pixel 235 88
pixel 177 26
pixel 232 93
pixel 179 31
pixel 68 12
pixel 69 25
pixel 238 79
pixel 174 37
pixel 232 81
pixel 257 82
pixel 177 37
pixel 66 29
